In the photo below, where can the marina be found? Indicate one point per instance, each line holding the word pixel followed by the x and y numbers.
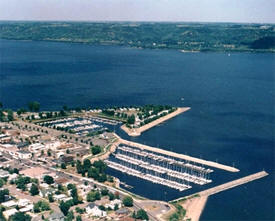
pixel 157 168
pixel 81 126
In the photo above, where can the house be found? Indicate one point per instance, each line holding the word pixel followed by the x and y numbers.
pixel 53 145
pixel 23 202
pixel 24 154
pixel 56 217
pixel 10 212
pixel 61 197
pixel 93 210
pixel 36 147
pixel 4 173
pixel 10 203
pixel 113 203
pixel 122 212
pixel 13 176
pixel 46 192
pixel 27 208
pixel 21 145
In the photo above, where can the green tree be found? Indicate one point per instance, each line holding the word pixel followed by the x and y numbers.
pixel 49 153
pixel 93 196
pixel 71 186
pixel 95 150
pixel 34 190
pixel 10 115
pixel 104 192
pixel 79 167
pixel 70 216
pixel 63 166
pixel 3 193
pixel 93 173
pixel 111 196
pixel 100 165
pixel 48 179
pixel 64 207
pixel 19 216
pixel 78 218
pixel 50 198
pixel 141 214
pixel 2 182
pixel 86 165
pixel 131 119
pixel 128 201
pixel 36 208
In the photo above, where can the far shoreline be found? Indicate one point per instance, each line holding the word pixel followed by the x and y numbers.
pixel 180 50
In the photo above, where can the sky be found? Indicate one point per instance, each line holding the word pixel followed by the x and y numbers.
pixel 247 11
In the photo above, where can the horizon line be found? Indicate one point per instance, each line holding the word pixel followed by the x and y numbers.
pixel 137 21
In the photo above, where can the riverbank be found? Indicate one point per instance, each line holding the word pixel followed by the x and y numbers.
pixel 137 131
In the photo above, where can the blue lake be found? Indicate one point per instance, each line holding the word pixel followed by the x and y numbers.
pixel 231 98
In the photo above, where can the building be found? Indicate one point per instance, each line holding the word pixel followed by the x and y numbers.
pixel 24 154
pixel 4 173
pixel 10 212
pixel 56 217
pixel 122 212
pixel 36 147
pixel 113 203
pixel 93 210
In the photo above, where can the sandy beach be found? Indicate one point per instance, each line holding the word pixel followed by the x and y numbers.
pixel 138 131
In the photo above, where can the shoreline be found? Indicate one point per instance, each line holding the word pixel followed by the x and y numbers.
pixel 252 51
pixel 138 131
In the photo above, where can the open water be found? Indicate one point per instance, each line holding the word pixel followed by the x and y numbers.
pixel 231 98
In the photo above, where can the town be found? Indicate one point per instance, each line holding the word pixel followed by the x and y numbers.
pixel 53 165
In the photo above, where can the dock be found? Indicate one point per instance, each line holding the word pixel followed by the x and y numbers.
pixel 138 131
pixel 233 183
pixel 179 156
pixel 195 203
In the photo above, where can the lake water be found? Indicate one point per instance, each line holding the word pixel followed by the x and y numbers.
pixel 231 98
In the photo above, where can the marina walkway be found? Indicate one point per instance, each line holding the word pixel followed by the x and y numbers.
pixel 180 156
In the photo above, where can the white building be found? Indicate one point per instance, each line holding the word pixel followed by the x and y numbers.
pixel 93 210
pixel 36 147
pixel 9 213
pixel 23 202
pixel 53 145
pixel 113 203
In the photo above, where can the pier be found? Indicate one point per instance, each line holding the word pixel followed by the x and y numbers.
pixel 195 205
pixel 179 156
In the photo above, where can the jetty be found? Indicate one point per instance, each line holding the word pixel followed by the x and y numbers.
pixel 195 203
pixel 179 156
pixel 139 130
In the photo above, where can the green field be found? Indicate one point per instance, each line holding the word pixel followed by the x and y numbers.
pixel 180 36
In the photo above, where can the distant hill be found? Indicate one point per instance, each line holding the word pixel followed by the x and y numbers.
pixel 181 36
